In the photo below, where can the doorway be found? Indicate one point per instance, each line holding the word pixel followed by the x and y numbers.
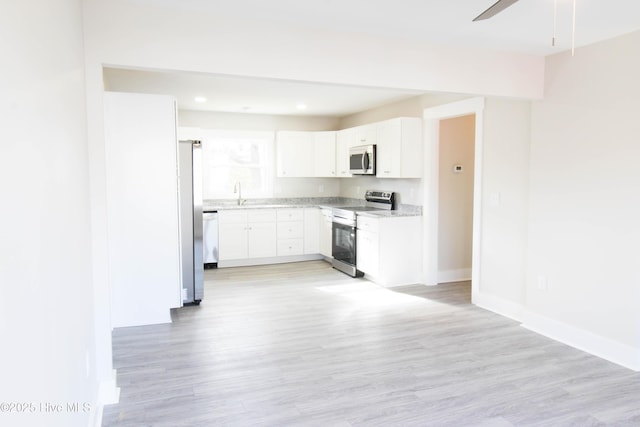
pixel 455 198
pixel 433 118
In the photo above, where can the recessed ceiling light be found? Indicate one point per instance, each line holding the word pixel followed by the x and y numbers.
pixel 301 106
pixel 200 99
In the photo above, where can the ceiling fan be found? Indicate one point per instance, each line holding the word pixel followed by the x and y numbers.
pixel 496 8
pixel 501 5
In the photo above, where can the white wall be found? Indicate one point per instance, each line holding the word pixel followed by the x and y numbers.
pixel 46 291
pixel 502 134
pixel 455 194
pixel 138 34
pixel 411 107
pixel 584 208
pixel 142 191
pixel 505 194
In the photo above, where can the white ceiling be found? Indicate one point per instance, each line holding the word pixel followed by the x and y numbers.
pixel 247 95
pixel 525 27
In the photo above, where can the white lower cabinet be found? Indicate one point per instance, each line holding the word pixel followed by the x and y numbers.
pixel 325 231
pixel 247 234
pixel 261 240
pixel 232 241
pixel 311 230
pixel 232 235
pixel 288 247
pixel 367 254
pixel 262 236
pixel 389 249
pixel 290 232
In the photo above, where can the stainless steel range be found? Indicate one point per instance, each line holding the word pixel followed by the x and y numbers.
pixel 343 247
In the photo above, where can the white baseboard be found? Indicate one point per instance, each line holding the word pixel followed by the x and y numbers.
pixel 96 415
pixel 108 394
pixel 269 260
pixel 498 305
pixel 597 345
pixel 604 348
pixel 459 275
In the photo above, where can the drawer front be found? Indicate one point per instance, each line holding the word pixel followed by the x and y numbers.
pixel 290 247
pixel 368 224
pixel 291 230
pixel 290 214
pixel 261 215
pixel 232 216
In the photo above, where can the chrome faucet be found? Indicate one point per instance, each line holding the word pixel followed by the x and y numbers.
pixel 238 189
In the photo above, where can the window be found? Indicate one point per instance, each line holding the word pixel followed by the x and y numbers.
pixel 229 157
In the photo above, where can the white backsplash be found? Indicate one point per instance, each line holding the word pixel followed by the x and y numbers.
pixel 306 187
pixel 408 191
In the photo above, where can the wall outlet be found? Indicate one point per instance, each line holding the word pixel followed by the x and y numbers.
pixel 320 188
pixel 357 191
pixel 543 285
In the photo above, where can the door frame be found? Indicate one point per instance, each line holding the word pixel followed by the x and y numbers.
pixel 432 117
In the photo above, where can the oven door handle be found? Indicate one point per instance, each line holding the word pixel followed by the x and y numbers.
pixel 344 221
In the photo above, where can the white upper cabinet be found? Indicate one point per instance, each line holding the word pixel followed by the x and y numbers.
pixel 399 148
pixel 306 154
pixel 365 134
pixel 324 153
pixel 294 154
pixel 398 144
pixel 344 140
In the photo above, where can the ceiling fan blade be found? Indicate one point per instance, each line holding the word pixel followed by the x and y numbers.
pixel 496 8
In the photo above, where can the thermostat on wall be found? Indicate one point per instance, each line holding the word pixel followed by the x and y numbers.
pixel 457 168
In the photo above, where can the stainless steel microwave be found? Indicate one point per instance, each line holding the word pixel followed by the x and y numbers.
pixel 362 160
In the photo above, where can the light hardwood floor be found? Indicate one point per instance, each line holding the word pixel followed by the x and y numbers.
pixel 304 345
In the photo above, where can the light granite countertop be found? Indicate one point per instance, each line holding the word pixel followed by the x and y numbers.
pixel 292 202
pixel 408 210
pixel 309 202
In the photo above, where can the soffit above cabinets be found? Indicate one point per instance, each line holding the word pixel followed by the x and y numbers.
pixel 232 94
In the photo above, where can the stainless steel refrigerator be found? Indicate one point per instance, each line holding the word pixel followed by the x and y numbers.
pixel 190 189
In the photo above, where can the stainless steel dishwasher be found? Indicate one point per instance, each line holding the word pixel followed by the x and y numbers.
pixel 210 239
